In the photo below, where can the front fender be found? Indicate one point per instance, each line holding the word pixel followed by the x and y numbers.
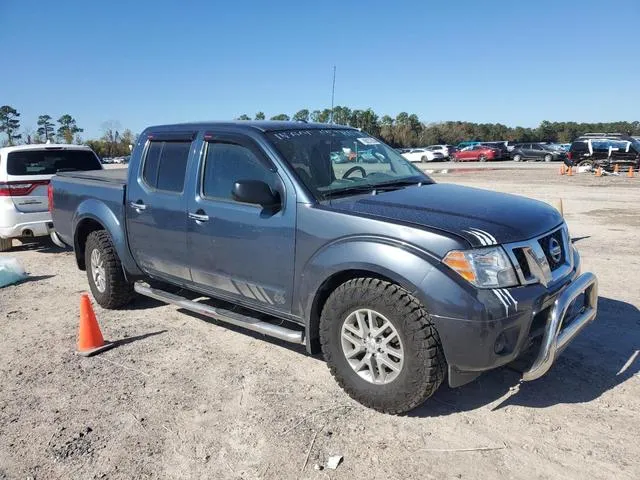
pixel 401 263
pixel 95 210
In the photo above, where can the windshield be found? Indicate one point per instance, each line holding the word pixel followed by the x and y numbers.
pixel 49 162
pixel 343 161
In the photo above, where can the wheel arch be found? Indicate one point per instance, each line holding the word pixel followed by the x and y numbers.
pixel 94 215
pixel 358 259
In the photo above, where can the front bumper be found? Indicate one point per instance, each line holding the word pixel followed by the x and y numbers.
pixel 485 329
pixel 557 335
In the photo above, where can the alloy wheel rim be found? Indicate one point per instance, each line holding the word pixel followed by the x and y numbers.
pixel 97 271
pixel 372 346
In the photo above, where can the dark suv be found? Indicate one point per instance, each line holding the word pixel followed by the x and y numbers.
pixel 536 152
pixel 605 150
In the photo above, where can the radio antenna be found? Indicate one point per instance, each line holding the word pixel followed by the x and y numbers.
pixel 333 91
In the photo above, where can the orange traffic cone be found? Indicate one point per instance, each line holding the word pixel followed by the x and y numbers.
pixel 562 169
pixel 616 169
pixel 90 339
pixel 630 172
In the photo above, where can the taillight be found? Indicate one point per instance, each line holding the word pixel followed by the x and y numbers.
pixel 50 196
pixel 20 189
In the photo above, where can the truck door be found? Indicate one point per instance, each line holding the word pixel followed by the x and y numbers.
pixel 237 250
pixel 156 209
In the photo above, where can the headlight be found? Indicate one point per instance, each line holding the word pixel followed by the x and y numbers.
pixel 483 267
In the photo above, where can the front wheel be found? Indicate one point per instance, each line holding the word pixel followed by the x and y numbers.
pixel 517 157
pixel 381 346
pixel 106 278
pixel 482 158
pixel 548 158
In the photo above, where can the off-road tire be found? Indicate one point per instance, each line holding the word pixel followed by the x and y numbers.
pixel 424 363
pixel 5 244
pixel 118 291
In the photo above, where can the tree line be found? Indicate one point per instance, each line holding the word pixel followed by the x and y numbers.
pixel 67 130
pixel 406 130
pixel 114 141
pixel 403 130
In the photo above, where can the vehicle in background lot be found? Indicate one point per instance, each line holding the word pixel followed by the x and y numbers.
pixel 477 152
pixel 537 152
pixel 423 155
pixel 25 171
pixel 445 150
pixel 605 150
pixel 462 145
pixel 500 147
pixel 402 150
pixel 565 146
pixel 106 160
pixel 400 281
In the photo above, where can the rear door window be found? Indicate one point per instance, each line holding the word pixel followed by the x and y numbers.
pixel 50 162
pixel 165 165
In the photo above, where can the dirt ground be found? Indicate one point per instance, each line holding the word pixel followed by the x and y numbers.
pixel 184 397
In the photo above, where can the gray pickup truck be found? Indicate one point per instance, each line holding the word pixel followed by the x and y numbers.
pixel 322 235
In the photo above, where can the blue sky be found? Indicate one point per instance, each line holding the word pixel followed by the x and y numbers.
pixel 141 62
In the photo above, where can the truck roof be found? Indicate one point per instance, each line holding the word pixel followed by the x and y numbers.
pixel 260 125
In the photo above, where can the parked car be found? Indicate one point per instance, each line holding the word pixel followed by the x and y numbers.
pixel 423 155
pixel 25 171
pixel 445 150
pixel 401 282
pixel 477 152
pixel 605 150
pixel 500 147
pixel 537 152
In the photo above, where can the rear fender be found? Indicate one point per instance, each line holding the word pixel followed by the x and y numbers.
pixel 92 210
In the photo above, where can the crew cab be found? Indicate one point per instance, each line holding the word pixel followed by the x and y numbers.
pixel 401 282
pixel 25 171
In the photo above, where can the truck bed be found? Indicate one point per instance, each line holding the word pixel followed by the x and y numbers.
pixel 91 190
pixel 112 175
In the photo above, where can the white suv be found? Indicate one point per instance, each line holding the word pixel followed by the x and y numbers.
pixel 25 172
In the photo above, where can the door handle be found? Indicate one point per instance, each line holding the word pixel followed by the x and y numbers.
pixel 138 206
pixel 198 217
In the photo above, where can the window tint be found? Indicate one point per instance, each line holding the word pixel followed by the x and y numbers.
pixel 49 162
pixel 225 164
pixel 165 165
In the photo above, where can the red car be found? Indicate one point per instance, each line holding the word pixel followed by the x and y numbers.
pixel 480 153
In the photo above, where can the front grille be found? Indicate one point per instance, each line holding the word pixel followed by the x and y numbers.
pixel 553 240
pixel 522 261
pixel 534 259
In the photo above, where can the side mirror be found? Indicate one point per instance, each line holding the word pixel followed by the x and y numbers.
pixel 255 192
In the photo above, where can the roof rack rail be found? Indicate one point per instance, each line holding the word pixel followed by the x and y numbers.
pixel 603 135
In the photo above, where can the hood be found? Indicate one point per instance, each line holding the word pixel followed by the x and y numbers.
pixel 482 217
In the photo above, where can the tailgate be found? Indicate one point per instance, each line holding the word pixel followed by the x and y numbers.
pixel 28 193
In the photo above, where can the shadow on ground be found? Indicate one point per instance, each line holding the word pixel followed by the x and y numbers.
pixel 600 358
pixel 37 244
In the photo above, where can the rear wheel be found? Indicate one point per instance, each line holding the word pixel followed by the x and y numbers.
pixel 5 244
pixel 548 158
pixel 424 158
pixel 517 157
pixel 106 278
pixel 381 346
pixel 482 158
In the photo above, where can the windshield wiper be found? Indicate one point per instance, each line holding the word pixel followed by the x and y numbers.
pixel 355 189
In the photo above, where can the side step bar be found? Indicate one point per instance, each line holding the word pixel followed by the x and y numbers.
pixel 239 320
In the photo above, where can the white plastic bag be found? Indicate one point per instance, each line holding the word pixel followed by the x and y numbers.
pixel 11 271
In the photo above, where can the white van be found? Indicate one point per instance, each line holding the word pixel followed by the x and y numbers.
pixel 25 171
